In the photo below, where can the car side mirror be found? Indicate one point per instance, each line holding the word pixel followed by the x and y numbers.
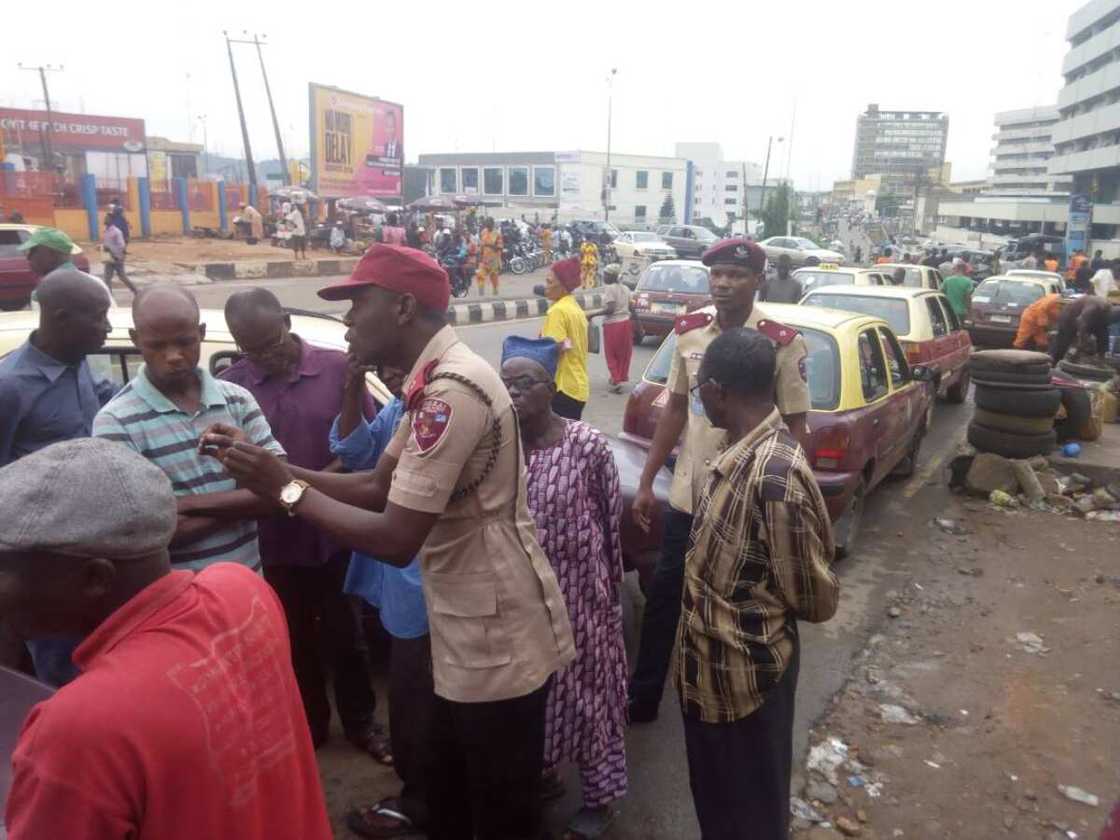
pixel 921 373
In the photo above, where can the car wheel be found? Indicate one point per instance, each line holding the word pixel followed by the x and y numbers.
pixel 1097 374
pixel 14 305
pixel 1009 361
pixel 909 465
pixel 1005 377
pixel 1022 403
pixel 1008 444
pixel 846 529
pixel 957 392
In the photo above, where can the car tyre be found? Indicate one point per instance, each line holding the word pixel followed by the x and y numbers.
pixel 1022 403
pixel 1013 423
pixel 636 331
pixel 1012 377
pixel 1097 374
pixel 1010 445
pixel 847 527
pixel 1021 361
pixel 1079 411
pixel 958 391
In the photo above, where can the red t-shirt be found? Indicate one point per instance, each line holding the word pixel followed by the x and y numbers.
pixel 185 723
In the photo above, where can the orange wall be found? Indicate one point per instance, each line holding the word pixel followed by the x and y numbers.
pixel 75 223
pixel 167 222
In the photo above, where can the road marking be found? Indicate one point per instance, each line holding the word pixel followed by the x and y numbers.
pixel 933 465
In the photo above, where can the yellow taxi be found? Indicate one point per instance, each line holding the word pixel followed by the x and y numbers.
pixel 119 359
pixel 870 407
pixel 831 274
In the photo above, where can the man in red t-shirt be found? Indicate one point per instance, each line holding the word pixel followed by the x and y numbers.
pixel 185 721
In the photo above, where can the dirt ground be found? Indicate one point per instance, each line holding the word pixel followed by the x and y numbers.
pixel 953 724
pixel 176 254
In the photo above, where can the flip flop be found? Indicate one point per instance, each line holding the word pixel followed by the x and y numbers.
pixel 357 820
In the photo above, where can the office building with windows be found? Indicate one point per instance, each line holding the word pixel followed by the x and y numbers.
pixel 900 145
pixel 1024 146
pixel 642 189
pixel 721 187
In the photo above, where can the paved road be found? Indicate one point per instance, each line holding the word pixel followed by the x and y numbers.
pixel 659 804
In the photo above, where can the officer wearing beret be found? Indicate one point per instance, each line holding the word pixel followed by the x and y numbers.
pixel 450 487
pixel 737 266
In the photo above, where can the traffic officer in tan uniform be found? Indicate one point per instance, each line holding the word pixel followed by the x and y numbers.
pixel 737 267
pixel 451 488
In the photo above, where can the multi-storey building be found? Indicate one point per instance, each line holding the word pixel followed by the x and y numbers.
pixel 1024 146
pixel 720 188
pixel 899 145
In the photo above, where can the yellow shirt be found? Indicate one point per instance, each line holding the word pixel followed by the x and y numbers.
pixel 565 322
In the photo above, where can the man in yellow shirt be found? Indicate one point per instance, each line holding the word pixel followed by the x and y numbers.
pixel 567 325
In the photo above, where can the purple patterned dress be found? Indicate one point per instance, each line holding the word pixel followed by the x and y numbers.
pixel 575 499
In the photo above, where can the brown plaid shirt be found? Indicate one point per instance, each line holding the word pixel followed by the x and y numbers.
pixel 758 560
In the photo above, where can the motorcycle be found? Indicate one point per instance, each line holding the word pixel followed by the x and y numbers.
pixel 457 273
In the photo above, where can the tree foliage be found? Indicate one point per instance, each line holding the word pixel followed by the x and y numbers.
pixel 777 211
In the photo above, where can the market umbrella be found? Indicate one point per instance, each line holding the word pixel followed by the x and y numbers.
pixel 363 203
pixel 299 195
pixel 433 202
pixel 467 201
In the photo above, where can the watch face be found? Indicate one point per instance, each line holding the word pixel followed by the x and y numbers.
pixel 290 493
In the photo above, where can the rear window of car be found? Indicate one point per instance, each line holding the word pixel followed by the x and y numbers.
pixel 9 243
pixel 822 367
pixel 812 279
pixel 1005 292
pixel 685 279
pixel 895 312
pixel 913 278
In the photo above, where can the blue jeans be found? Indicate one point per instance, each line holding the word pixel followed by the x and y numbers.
pixel 53 662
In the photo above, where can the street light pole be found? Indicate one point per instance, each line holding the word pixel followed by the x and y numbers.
pixel 607 185
pixel 244 128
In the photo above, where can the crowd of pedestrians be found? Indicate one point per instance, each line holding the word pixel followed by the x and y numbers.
pixel 189 576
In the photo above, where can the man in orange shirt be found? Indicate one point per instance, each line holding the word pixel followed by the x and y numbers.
pixel 1036 321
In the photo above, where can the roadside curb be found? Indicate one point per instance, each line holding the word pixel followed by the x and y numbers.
pixel 511 310
pixel 272 269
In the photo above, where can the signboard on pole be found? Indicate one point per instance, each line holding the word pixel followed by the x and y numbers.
pixel 22 129
pixel 1078 224
pixel 357 144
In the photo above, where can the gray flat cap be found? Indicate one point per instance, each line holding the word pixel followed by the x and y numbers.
pixel 86 498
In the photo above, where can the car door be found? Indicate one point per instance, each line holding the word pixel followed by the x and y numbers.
pixel 958 345
pixel 881 418
pixel 911 399
pixel 942 356
pixel 16 277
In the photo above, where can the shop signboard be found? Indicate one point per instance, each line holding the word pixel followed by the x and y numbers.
pixel 357 144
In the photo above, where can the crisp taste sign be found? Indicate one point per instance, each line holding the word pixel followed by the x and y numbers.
pixel 71 131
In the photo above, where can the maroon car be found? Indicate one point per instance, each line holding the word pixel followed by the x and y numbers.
pixel 665 291
pixel 17 280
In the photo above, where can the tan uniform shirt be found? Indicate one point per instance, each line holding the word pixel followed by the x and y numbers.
pixel 499 626
pixel 702 442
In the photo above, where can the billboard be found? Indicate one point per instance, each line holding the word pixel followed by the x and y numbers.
pixel 357 144
pixel 70 132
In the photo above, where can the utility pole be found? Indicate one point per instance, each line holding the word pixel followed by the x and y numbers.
pixel 746 203
pixel 241 115
pixel 45 133
pixel 272 108
pixel 607 186
pixel 205 148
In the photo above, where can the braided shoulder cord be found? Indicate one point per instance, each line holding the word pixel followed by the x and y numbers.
pixel 495 432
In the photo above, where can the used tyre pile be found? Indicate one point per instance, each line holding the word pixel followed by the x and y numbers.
pixel 1015 403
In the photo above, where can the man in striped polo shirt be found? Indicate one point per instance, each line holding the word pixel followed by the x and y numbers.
pixel 162 411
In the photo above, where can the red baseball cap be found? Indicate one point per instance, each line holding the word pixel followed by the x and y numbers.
pixel 398 269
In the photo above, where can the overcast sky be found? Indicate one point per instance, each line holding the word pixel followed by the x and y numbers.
pixel 518 76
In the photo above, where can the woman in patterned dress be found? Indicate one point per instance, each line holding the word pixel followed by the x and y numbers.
pixel 574 496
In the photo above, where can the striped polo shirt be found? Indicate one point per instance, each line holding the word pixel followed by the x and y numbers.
pixel 141 417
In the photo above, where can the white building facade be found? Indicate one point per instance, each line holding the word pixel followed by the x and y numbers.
pixel 720 187
pixel 1021 157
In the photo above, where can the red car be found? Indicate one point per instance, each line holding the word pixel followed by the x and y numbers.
pixel 665 291
pixel 17 280
pixel 870 407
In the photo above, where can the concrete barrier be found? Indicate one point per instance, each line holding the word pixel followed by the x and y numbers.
pixel 253 270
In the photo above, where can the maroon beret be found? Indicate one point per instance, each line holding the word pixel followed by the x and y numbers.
pixel 398 269
pixel 738 251
pixel 567 272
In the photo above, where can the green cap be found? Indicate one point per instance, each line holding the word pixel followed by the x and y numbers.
pixel 51 238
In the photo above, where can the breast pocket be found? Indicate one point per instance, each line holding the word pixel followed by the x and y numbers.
pixel 466 627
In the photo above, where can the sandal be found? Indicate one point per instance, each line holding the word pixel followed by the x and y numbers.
pixel 380 820
pixel 589 823
pixel 375 741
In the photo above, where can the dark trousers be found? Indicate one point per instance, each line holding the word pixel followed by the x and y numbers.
pixel 117 267
pixel 1067 335
pixel 411 705
pixel 662 612
pixel 739 772
pixel 567 407
pixel 484 774
pixel 323 624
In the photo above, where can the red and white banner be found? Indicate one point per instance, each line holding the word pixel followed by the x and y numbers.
pixel 76 132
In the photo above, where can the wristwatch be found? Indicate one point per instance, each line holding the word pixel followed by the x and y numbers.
pixel 291 493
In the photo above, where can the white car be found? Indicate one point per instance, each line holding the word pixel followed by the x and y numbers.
pixel 639 248
pixel 1035 273
pixel 800 250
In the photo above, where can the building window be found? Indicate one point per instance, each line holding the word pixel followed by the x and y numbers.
pixel 731 173
pixel 642 180
pixel 731 188
pixel 640 212
pixel 448 181
pixel 544 180
pixel 470 180
pixel 519 180
pixel 731 201
pixel 666 180
pixel 492 180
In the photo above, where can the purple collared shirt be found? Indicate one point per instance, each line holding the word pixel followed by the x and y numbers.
pixel 300 409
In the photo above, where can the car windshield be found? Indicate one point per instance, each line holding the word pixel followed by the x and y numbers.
pixel 1006 292
pixel 892 310
pixel 686 279
pixel 822 367
pixel 913 278
pixel 807 244
pixel 812 279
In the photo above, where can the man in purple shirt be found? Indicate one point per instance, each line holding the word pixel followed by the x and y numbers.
pixel 299 389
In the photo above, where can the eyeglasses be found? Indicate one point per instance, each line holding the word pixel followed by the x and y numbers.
pixel 522 383
pixel 694 391
pixel 268 348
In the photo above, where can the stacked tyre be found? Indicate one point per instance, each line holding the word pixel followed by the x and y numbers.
pixel 1015 403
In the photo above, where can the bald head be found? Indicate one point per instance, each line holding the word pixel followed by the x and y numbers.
pixel 260 326
pixel 163 302
pixel 253 305
pixel 167 331
pixel 73 315
pixel 69 287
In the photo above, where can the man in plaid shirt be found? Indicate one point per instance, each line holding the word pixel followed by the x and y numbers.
pixel 758 560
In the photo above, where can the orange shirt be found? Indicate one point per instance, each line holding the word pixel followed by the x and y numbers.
pixel 1036 321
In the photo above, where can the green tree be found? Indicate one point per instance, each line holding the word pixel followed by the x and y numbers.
pixel 668 213
pixel 778 211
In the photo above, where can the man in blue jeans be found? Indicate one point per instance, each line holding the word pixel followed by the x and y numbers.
pixel 48 394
